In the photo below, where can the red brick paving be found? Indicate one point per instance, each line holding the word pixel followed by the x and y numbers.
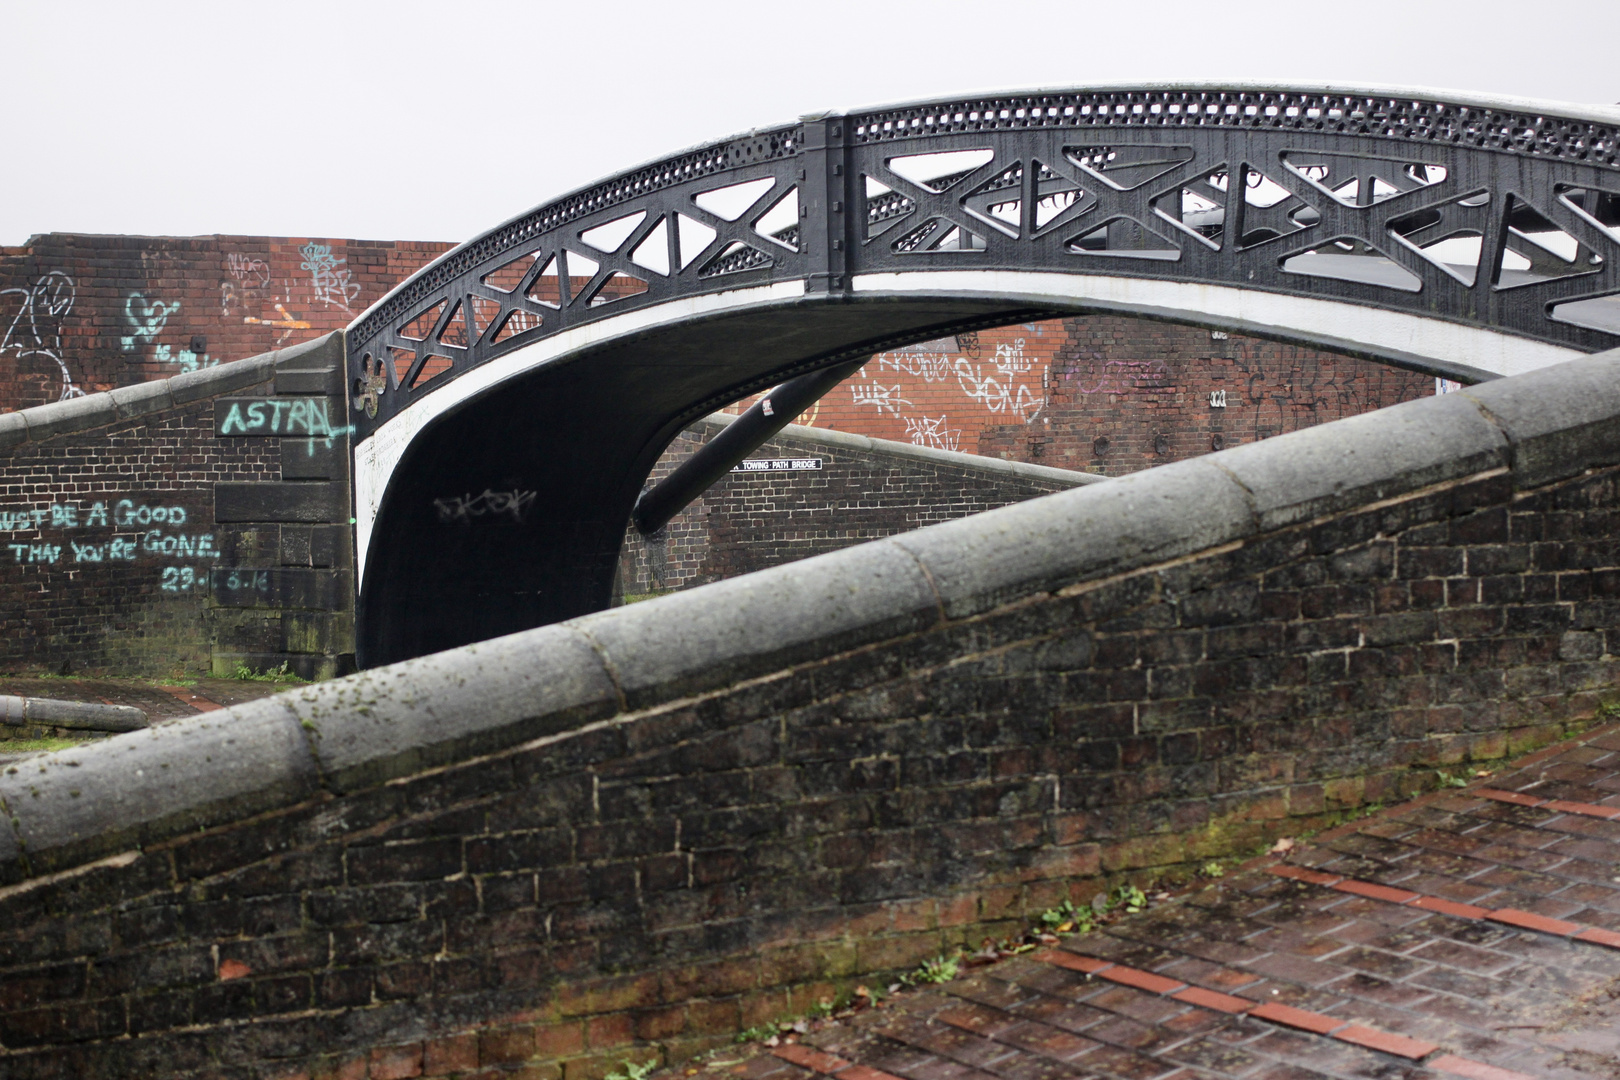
pixel 1472 933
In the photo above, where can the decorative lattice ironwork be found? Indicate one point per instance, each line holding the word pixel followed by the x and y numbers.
pixel 1485 214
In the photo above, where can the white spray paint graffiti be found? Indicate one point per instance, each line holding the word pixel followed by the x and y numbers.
pixel 885 398
pixel 1011 382
pixel 250 272
pixel 328 276
pixel 929 431
pixel 927 366
pixel 147 320
pixel 36 328
pixel 188 360
pixel 1000 389
pixel 464 508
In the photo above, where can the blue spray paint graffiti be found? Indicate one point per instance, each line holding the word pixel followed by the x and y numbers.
pixel 140 540
pixel 188 360
pixel 146 320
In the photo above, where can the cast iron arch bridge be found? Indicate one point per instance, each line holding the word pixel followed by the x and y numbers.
pixel 559 353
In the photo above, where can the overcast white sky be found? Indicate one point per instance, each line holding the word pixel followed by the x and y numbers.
pixel 435 121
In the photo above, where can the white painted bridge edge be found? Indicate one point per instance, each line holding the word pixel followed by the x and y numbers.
pixel 1392 332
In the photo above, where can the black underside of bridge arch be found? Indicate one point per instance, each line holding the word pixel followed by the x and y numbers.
pixel 583 433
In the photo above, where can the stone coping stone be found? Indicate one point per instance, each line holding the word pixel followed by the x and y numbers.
pixel 557 681
pixel 127 402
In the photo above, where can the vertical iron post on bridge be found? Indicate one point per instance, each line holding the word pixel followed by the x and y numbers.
pixel 826 197
pixel 826 189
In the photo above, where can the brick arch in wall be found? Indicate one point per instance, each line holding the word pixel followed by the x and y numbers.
pixel 520 388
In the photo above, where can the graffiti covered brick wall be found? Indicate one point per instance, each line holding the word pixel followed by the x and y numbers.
pixel 81 313
pixel 184 527
pixel 108 540
pixel 1103 393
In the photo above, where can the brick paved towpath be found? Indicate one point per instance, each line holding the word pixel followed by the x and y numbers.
pixel 1471 933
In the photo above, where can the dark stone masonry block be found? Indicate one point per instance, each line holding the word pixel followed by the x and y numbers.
pixel 273 502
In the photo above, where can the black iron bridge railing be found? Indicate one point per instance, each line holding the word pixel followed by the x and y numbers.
pixel 1490 215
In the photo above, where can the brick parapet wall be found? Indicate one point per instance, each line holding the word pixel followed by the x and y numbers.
pixel 85 313
pixel 628 835
pixel 137 540
pixel 863 489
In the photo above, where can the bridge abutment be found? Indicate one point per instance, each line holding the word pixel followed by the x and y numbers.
pixel 185 526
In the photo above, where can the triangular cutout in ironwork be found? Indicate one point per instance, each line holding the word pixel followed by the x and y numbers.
pixel 1545 251
pixel 1055 196
pixel 610 237
pixel 509 276
pixel 781 222
pixel 399 363
pixel 735 258
pixel 420 327
pixel 1600 208
pixel 734 200
pixel 694 238
pixel 617 286
pixel 1127 167
pixel 1124 237
pixel 941 170
pixel 433 365
pixel 1347 258
pixel 517 322
pixel 581 269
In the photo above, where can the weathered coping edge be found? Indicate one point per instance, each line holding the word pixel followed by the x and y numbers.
pixel 334 738
pixel 840 440
pixel 128 402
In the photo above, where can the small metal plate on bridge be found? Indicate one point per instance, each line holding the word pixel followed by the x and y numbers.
pixel 795 464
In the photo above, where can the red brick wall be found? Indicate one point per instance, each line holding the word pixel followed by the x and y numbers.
pixel 1051 392
pixel 85 313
